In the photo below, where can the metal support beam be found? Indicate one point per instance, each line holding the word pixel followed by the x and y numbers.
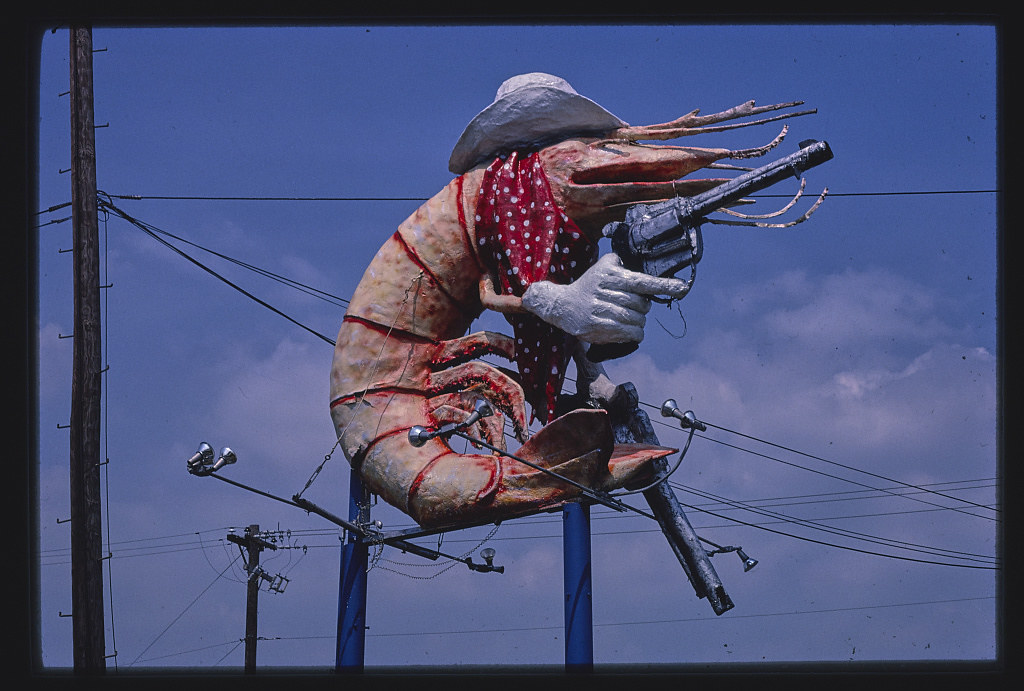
pixel 351 643
pixel 579 610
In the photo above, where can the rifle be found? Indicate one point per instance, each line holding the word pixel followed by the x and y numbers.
pixel 664 237
pixel 630 425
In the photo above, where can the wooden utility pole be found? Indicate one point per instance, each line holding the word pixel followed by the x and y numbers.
pixel 86 519
pixel 253 545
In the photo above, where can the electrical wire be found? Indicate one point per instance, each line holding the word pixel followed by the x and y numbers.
pixel 846 467
pixel 837 546
pixel 731 522
pixel 116 548
pixel 608 515
pixel 816 525
pixel 225 656
pixel 182 613
pixel 835 496
pixel 555 627
pixel 302 287
pixel 146 544
pixel 861 484
pixel 153 232
pixel 105 321
pixel 830 610
pixel 143 197
pixel 234 647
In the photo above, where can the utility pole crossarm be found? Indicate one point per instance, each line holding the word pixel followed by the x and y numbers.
pixel 251 541
pixel 253 545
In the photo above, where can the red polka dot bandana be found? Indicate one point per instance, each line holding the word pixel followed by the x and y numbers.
pixel 524 237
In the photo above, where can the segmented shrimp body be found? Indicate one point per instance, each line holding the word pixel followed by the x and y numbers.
pixel 402 359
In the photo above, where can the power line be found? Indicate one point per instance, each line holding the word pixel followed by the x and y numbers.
pixel 302 287
pixel 534 519
pixel 896 194
pixel 141 197
pixel 106 441
pixel 59 557
pixel 530 521
pixel 846 467
pixel 605 515
pixel 153 232
pixel 730 506
pixel 730 523
pixel 861 484
pixel 844 547
pixel 830 610
pixel 182 613
pixel 522 629
pixel 781 519
pixel 886 492
pixel 234 646
pixel 255 198
pixel 815 524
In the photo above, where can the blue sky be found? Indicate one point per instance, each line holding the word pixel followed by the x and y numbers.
pixel 865 338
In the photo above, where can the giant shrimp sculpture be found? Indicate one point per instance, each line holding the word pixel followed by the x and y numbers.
pixel 539 173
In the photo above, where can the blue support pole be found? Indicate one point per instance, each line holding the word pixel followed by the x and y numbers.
pixel 579 613
pixel 351 642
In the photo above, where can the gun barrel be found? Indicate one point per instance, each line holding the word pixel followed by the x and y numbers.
pixel 811 154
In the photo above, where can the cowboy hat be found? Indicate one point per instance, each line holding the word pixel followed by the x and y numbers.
pixel 528 110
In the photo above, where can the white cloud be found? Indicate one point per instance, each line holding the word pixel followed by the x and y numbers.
pixel 855 367
pixel 854 306
pixel 279 406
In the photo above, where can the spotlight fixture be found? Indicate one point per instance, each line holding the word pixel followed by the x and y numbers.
pixel 687 420
pixel 204 456
pixel 420 435
pixel 227 457
pixel 488 555
pixel 202 463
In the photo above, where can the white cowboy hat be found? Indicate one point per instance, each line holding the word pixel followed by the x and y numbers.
pixel 529 110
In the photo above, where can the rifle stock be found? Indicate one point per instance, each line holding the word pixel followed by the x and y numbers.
pixel 632 425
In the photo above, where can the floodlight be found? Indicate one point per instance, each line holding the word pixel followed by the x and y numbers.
pixel 227 457
pixel 482 408
pixel 204 456
pixel 419 435
pixel 687 420
pixel 748 563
